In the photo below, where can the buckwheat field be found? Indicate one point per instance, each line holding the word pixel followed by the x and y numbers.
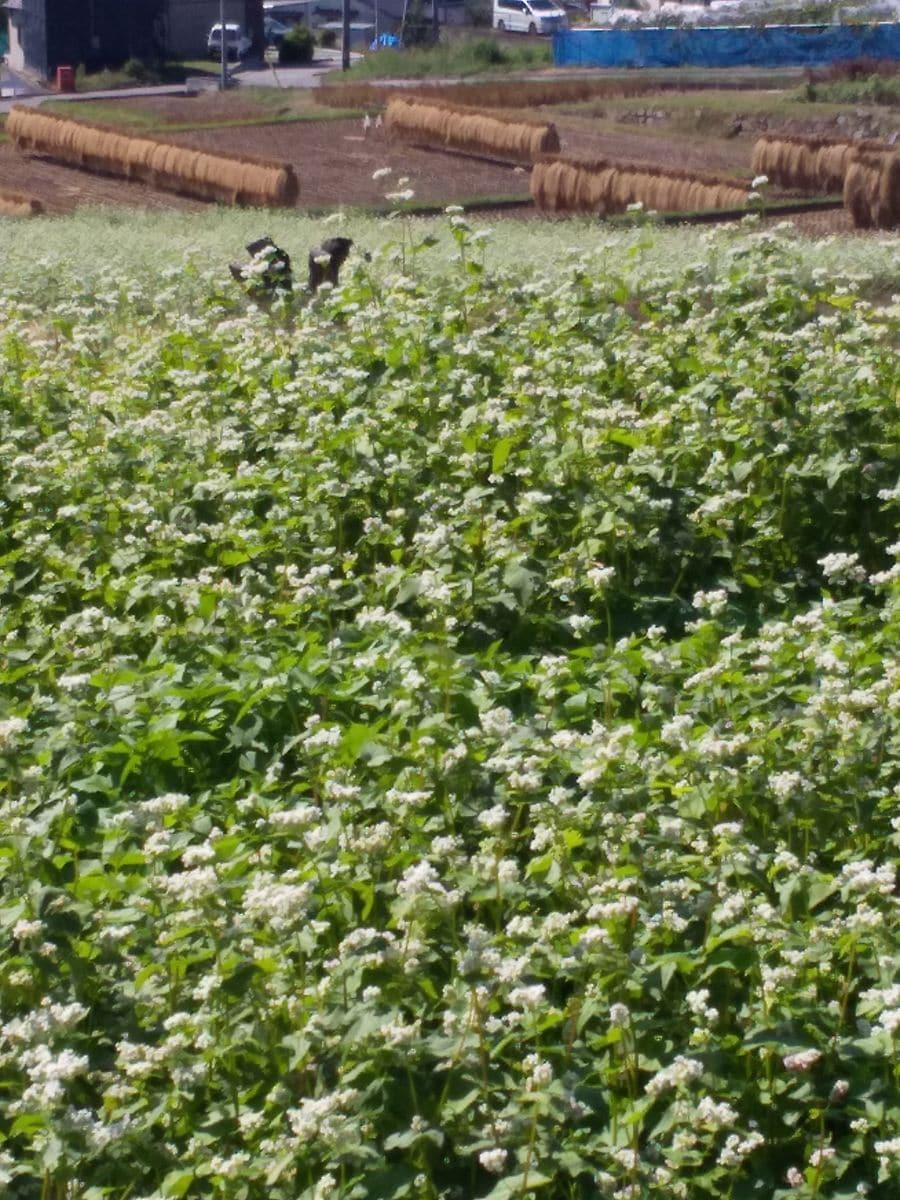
pixel 449 726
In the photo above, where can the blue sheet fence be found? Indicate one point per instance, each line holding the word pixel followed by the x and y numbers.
pixel 726 46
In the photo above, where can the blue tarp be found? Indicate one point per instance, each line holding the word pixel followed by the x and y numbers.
pixel 725 46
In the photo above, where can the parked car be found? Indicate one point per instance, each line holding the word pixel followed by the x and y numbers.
pixel 274 31
pixel 237 44
pixel 528 16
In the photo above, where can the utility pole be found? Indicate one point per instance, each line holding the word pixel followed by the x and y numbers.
pixel 223 60
pixel 345 36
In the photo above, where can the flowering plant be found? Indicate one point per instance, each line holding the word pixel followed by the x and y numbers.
pixel 450 749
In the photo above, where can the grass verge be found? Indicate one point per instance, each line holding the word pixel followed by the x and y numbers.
pixel 459 57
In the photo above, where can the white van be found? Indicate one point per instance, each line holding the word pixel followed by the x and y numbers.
pixel 528 16
pixel 236 42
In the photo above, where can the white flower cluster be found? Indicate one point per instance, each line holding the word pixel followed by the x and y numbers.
pixel 714 602
pixel 736 1148
pixel 698 1004
pixel 48 1074
pixel 421 881
pixel 324 1117
pixel 801 1061
pixel 842 568
pixel 679 1073
pixel 277 903
pixel 10 728
pixel 715 1115
pixel 494 1160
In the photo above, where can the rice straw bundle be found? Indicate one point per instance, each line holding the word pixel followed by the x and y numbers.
pixel 570 185
pixel 811 164
pixel 19 204
pixel 234 180
pixel 872 189
pixel 468 130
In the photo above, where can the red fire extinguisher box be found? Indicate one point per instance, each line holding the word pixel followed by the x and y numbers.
pixel 65 79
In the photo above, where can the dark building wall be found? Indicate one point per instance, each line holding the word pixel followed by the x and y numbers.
pixel 102 33
pixel 99 33
pixel 253 23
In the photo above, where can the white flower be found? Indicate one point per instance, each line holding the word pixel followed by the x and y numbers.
pixel 715 1116
pixel 493 818
pixel 889 1020
pixel 820 1157
pixel 27 929
pixel 75 681
pixel 679 1072
pixel 527 997
pixel 231 1167
pixel 787 783
pixel 381 173
pixel 578 623
pixel 619 1016
pixel 9 731
pixel 888 1150
pixel 842 568
pixel 676 731
pixel 540 1073
pixel 697 1003
pixel 322 1117
pixel 759 181
pixel 736 1149
pixel 494 1160
pixel 713 601
pixel 801 1061
pixel 599 576
pixel 326 1186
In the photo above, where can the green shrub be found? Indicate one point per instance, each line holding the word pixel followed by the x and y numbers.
pixel 328 39
pixel 875 89
pixel 138 71
pixel 298 46
pixel 489 51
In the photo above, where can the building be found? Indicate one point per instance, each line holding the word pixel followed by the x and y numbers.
pixel 187 23
pixel 46 34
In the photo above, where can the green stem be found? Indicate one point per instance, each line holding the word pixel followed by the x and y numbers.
pixel 529 1154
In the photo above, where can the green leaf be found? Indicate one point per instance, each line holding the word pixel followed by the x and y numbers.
pixel 501 453
pixel 177 1183
pixel 514 1185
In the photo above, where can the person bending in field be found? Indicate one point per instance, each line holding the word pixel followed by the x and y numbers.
pixel 325 261
pixel 268 275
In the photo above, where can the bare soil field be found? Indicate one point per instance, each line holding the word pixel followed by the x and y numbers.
pixel 335 162
pixel 62 189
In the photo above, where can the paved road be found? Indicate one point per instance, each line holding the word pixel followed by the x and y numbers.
pixel 17 90
pixel 290 77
